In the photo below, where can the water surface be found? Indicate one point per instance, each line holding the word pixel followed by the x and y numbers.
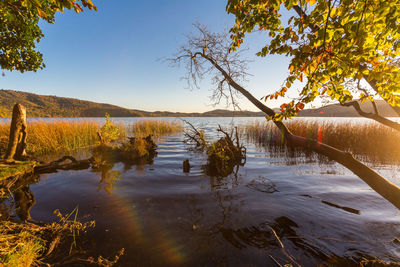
pixel 321 212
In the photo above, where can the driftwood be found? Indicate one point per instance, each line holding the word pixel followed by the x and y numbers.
pixel 283 250
pixel 196 137
pixel 61 165
pixel 18 133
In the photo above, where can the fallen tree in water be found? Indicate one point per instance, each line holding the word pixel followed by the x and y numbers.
pixel 210 53
pixel 223 155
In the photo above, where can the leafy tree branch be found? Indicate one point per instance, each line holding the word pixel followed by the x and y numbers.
pixel 330 44
pixel 20 31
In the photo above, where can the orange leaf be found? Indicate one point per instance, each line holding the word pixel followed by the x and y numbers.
pixel 42 14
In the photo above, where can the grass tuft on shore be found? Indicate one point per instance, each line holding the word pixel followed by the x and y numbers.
pixel 368 141
pixel 19 168
pixel 23 244
pixel 19 245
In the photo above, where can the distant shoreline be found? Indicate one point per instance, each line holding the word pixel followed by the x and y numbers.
pixel 41 106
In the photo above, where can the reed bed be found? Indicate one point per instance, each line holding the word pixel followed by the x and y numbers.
pixel 157 128
pixel 4 134
pixel 368 141
pixel 56 136
pixel 47 137
pixel 65 136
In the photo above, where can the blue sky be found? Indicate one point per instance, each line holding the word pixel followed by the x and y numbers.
pixel 112 56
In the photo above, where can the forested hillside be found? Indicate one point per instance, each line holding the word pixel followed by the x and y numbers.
pixel 54 106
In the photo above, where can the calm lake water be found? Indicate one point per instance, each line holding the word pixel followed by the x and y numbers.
pixel 322 212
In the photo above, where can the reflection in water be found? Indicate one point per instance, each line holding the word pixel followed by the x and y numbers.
pixel 105 157
pixel 265 236
pixel 24 201
pixel 230 181
pixel 21 201
pixel 103 162
pixel 108 178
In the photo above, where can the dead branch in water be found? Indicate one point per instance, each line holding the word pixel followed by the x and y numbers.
pixel 222 155
pixel 195 136
pixel 282 247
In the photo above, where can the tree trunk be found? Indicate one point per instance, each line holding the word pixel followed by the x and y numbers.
pixel 17 142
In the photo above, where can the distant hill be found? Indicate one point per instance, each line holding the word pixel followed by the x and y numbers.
pixel 336 110
pixel 53 106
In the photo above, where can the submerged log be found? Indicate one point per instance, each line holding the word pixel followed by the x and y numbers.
pixel 61 165
pixel 18 133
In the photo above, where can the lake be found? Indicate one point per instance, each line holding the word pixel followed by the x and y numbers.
pixel 321 212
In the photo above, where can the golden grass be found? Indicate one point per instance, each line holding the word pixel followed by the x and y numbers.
pixel 47 137
pixel 22 244
pixel 55 136
pixel 65 136
pixel 369 141
pixel 156 128
pixel 19 248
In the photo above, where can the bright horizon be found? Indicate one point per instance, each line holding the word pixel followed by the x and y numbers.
pixel 114 56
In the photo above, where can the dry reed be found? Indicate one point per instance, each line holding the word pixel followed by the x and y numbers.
pixel 156 128
pixel 368 141
pixel 60 135
pixel 65 136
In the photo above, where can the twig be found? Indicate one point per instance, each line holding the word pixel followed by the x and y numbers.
pixel 283 247
pixel 275 261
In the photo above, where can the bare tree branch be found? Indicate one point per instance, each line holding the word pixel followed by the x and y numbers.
pixel 217 47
